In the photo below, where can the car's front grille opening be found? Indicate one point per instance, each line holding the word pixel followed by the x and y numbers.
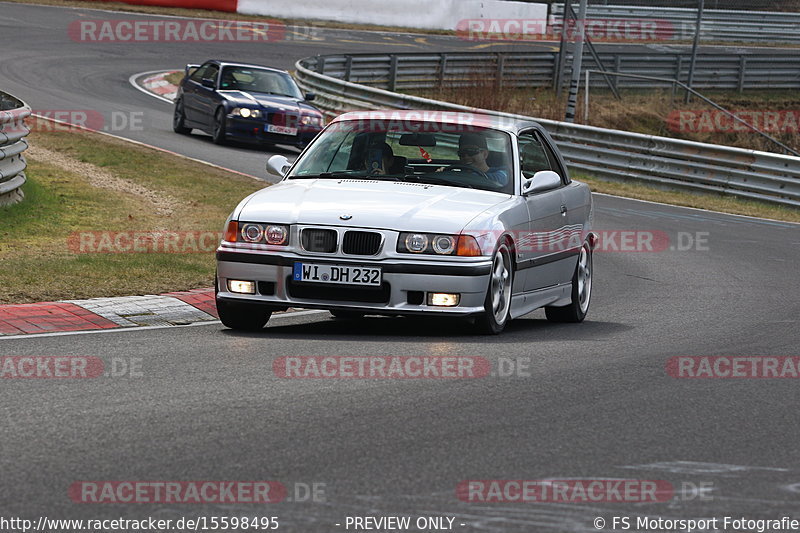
pixel 288 120
pixel 342 293
pixel 266 288
pixel 361 243
pixel 318 240
pixel 415 297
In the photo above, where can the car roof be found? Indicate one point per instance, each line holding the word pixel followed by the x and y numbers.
pixel 246 65
pixel 456 118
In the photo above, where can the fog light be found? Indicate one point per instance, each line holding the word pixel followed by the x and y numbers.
pixel 241 287
pixel 443 299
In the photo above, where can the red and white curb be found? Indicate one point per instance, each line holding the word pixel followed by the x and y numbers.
pixel 170 309
pixel 157 85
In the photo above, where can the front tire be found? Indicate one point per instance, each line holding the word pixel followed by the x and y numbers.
pixel 581 291
pixel 179 119
pixel 497 306
pixel 218 133
pixel 242 317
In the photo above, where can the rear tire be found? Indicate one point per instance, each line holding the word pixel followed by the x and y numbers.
pixel 581 291
pixel 179 119
pixel 497 305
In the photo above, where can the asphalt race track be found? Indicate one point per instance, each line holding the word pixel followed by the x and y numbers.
pixel 589 401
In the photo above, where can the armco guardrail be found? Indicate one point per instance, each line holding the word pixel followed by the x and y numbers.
pixel 675 23
pixel 762 70
pixel 13 130
pixel 605 153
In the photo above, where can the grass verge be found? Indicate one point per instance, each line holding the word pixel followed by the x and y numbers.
pixel 88 197
pixel 651 112
pixel 711 202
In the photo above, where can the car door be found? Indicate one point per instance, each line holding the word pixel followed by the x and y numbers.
pixel 206 98
pixel 541 252
pixel 190 94
pixel 577 203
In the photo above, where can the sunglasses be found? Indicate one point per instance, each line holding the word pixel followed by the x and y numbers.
pixel 469 152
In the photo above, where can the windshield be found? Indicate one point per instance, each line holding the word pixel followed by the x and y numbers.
pixel 426 152
pixel 258 81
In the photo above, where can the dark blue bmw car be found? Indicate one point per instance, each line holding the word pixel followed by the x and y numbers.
pixel 247 103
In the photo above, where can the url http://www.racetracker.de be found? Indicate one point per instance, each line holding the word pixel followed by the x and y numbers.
pixel 44 524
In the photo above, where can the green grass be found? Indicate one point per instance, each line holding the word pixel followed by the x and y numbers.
pixel 37 262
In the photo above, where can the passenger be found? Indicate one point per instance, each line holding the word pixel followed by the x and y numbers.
pixel 473 151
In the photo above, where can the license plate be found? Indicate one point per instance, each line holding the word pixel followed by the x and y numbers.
pixel 347 275
pixel 284 130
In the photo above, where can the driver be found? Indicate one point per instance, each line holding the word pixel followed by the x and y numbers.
pixel 379 159
pixel 472 151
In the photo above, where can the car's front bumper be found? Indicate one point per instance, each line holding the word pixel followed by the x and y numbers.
pixel 404 289
pixel 254 131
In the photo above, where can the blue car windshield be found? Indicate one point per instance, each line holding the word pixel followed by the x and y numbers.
pixel 258 81
pixel 424 152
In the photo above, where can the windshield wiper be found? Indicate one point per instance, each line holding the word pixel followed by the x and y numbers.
pixel 350 174
pixel 432 180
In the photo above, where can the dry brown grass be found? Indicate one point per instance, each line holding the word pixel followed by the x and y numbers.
pixel 646 112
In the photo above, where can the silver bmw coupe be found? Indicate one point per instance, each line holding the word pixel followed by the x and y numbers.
pixel 432 213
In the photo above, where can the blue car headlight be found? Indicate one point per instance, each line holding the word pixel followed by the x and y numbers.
pixel 246 112
pixel 311 120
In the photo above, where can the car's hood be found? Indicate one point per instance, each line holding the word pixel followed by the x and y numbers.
pixel 270 101
pixel 371 204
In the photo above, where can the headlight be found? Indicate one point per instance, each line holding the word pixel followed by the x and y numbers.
pixel 433 244
pixel 246 112
pixel 444 244
pixel 276 234
pixel 311 120
pixel 416 242
pixel 254 233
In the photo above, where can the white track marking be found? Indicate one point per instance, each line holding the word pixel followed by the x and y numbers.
pixel 145 328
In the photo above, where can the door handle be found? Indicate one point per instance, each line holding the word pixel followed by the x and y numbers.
pixel 563 210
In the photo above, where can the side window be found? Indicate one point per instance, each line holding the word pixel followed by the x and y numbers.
pixel 532 155
pixel 211 72
pixel 199 73
pixel 551 156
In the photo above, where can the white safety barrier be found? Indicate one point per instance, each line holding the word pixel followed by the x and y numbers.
pixel 13 130
pixel 423 14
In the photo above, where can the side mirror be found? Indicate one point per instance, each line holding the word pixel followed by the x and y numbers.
pixel 278 165
pixel 544 180
pixel 310 96
pixel 208 82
